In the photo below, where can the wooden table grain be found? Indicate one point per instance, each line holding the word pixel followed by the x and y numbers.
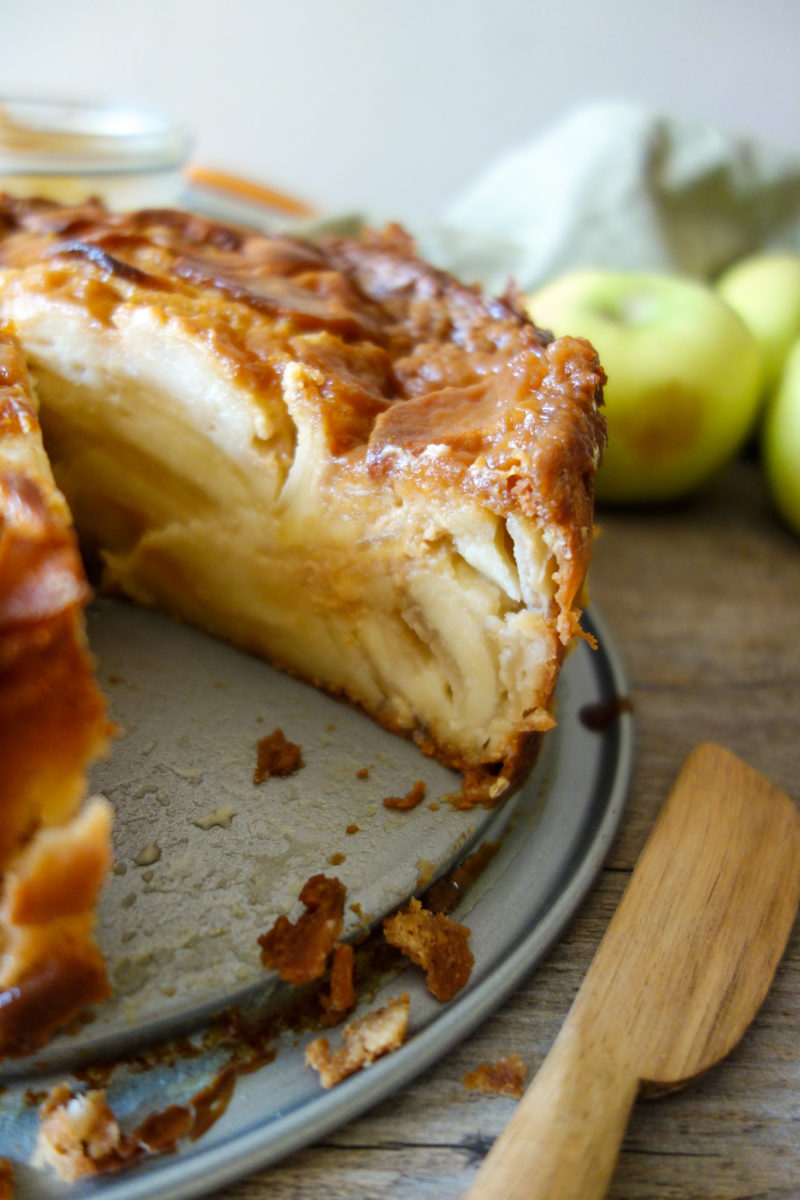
pixel 703 601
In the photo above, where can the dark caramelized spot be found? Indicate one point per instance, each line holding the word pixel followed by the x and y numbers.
pixel 108 263
pixel 279 296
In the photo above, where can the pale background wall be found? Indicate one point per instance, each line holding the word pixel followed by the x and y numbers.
pixel 392 107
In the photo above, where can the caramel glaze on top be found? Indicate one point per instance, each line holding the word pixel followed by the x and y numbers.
pixel 411 359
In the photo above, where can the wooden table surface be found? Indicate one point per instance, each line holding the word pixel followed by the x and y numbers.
pixel 703 601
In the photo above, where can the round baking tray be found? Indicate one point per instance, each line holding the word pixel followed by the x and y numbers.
pixel 192 831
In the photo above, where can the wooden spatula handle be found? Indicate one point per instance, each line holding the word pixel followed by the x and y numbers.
pixel 682 968
pixel 564 1138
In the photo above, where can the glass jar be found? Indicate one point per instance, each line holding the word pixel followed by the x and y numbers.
pixel 66 150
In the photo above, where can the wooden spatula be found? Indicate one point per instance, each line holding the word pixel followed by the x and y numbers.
pixel 684 965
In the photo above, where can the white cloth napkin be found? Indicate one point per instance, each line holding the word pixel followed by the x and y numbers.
pixel 613 185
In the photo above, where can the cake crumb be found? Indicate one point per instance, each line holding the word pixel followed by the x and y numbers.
pixel 341 997
pixel 149 855
pixel 299 951
pixel 363 1041
pixel 426 870
pixel 411 799
pixel 504 1077
pixel 79 1135
pixel 218 818
pixel 434 942
pixel 276 756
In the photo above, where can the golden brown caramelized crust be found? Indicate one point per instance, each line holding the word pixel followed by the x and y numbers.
pixel 52 723
pixel 410 359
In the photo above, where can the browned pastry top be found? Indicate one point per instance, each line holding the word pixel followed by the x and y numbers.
pixel 411 358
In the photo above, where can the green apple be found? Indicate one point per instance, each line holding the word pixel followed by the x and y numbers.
pixel 781 441
pixel 765 291
pixel 683 376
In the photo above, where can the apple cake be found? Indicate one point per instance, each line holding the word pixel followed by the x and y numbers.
pixel 330 454
pixel 54 852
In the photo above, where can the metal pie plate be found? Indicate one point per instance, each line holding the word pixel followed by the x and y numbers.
pixel 206 860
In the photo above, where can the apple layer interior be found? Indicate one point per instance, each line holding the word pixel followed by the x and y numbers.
pixel 349 464
pixel 413 608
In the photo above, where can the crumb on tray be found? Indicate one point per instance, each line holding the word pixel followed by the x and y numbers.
pixel 363 1041
pixel 149 855
pixel 339 1000
pixel 299 951
pixel 78 1135
pixel 435 943
pixel 218 818
pixel 276 756
pixel 411 799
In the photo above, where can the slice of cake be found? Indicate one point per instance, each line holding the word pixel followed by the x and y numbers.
pixel 53 855
pixel 329 454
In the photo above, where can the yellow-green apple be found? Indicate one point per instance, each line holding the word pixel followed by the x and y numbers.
pixel 683 376
pixel 764 289
pixel 781 441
